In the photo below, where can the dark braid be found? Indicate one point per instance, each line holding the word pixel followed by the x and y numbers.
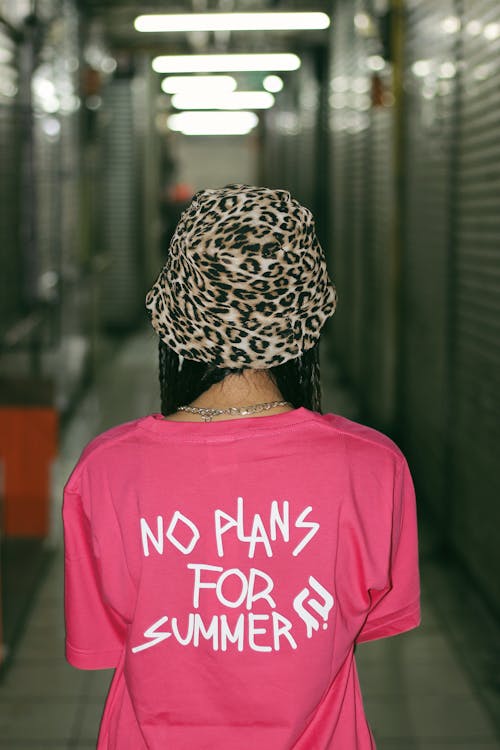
pixel 298 380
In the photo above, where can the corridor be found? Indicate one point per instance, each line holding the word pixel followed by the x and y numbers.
pixel 382 117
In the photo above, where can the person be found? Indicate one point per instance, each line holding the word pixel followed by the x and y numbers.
pixel 226 555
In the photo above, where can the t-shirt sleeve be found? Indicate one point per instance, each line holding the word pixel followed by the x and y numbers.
pixel 94 631
pixel 396 608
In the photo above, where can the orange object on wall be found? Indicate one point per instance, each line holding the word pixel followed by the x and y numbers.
pixel 28 445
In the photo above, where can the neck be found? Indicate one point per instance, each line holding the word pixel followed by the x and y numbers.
pixel 252 387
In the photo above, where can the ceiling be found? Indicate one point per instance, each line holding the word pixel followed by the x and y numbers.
pixel 117 17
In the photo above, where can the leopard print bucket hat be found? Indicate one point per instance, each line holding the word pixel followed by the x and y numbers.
pixel 245 283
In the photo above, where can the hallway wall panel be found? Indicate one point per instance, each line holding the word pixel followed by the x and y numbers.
pixel 475 419
pixel 121 290
pixel 429 168
pixel 429 133
pixel 362 210
pixel 11 120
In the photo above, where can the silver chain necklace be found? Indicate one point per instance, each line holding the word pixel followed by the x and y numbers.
pixel 208 413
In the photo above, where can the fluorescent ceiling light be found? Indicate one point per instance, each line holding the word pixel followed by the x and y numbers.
pixel 273 84
pixel 232 100
pixel 221 63
pixel 231 22
pixel 213 123
pixel 196 84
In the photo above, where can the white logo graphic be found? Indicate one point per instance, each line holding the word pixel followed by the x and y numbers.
pixel 322 608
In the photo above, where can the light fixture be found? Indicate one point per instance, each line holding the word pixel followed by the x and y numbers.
pixel 421 68
pixel 492 31
pixel 196 84
pixel 51 126
pixel 231 100
pixel 6 55
pixel 8 88
pixel 482 72
pixel 287 123
pixel 175 22
pixel 273 84
pixel 447 69
pixel 362 21
pixel 474 27
pixel 360 85
pixel 44 92
pixel 376 62
pixel 450 24
pixel 213 123
pixel 43 88
pixel 429 91
pixel 108 65
pixel 222 63
pixel 339 84
pixel 337 100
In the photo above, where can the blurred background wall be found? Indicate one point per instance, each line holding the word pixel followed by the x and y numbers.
pixel 393 139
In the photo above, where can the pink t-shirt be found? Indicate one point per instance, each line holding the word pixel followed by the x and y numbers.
pixel 227 570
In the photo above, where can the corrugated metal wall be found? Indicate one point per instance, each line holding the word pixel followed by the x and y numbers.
pixel 291 147
pixel 120 297
pixel 306 145
pixel 39 206
pixel 362 205
pixel 381 271
pixel 340 164
pixel 11 298
pixel 61 284
pixel 441 398
pixel 79 192
pixel 451 315
pixel 474 419
pixel 429 116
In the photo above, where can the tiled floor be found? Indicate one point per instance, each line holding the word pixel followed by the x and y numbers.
pixel 419 695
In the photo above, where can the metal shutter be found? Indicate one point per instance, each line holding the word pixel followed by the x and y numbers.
pixel 475 417
pixel 361 179
pixel 60 280
pixel 339 161
pixel 429 115
pixel 379 271
pixel 349 154
pixel 122 284
pixel 11 301
pixel 288 129
pixel 291 147
pixel 47 154
pixel 306 146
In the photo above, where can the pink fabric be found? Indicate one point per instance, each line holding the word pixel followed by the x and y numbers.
pixel 227 570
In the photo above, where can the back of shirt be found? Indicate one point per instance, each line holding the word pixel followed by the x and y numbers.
pixel 227 569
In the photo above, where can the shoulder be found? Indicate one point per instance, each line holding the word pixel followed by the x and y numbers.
pixel 101 446
pixel 361 438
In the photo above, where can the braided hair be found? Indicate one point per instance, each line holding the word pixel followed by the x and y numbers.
pixel 298 380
